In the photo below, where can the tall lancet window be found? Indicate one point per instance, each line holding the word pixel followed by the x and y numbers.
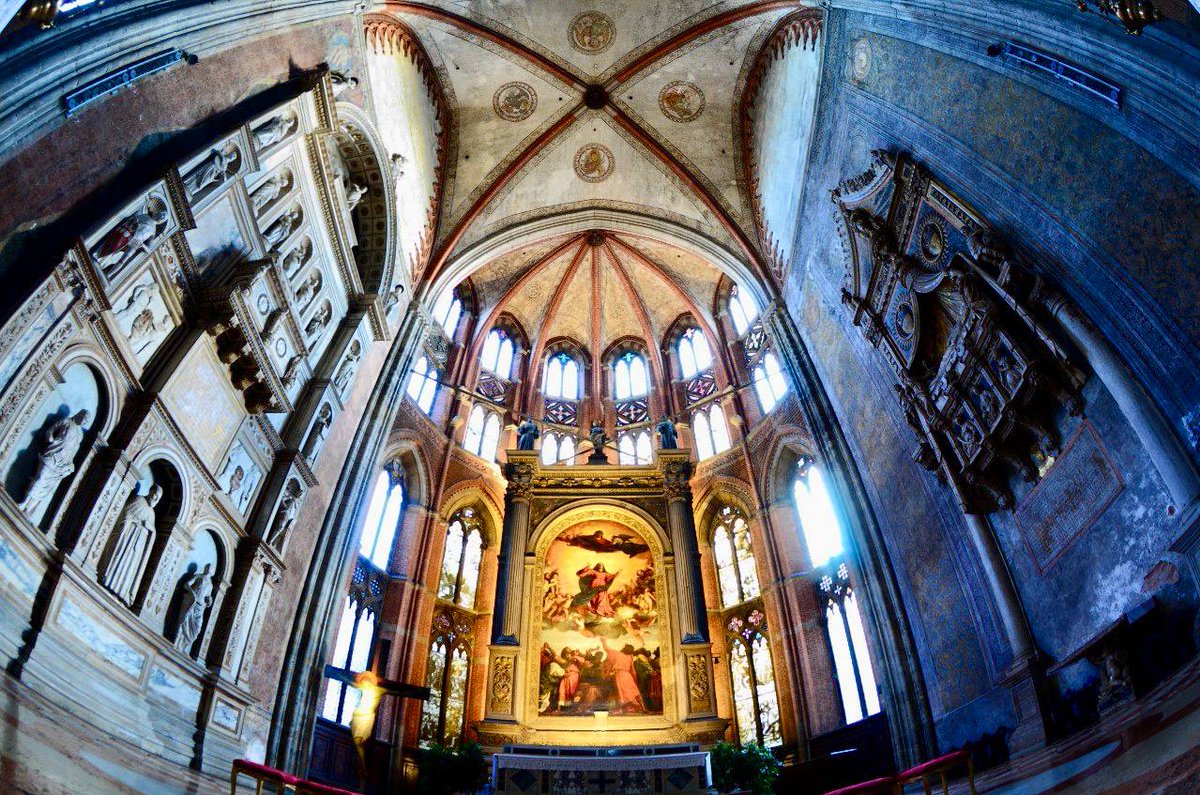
pixel 443 714
pixel 423 383
pixel 498 351
pixel 855 677
pixel 483 433
pixel 447 311
pixel 354 644
pixel 558 448
pixel 562 383
pixel 710 431
pixel 631 391
pixel 755 699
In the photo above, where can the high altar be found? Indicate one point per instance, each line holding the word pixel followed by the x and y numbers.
pixel 599 637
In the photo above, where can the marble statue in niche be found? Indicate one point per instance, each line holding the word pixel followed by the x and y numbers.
pixel 55 461
pixel 270 191
pixel 194 602
pixel 213 170
pixel 354 195
pixel 318 322
pixel 307 292
pixel 316 436
pixel 131 542
pixel 398 163
pixel 284 226
pixel 345 371
pixel 274 130
pixel 239 477
pixel 285 514
pixel 132 236
pixel 138 321
pixel 295 258
pixel 342 83
pixel 291 372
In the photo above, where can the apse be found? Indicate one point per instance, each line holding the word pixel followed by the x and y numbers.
pixel 659 397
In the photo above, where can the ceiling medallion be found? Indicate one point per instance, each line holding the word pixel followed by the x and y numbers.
pixel 592 32
pixel 860 58
pixel 594 163
pixel 514 101
pixel 681 101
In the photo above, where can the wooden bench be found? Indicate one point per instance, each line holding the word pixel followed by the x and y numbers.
pixel 940 767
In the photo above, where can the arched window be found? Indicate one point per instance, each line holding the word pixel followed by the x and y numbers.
pixel 734 557
pixel 383 516
pixel 446 311
pixel 755 699
pixel 634 448
pixel 423 384
pixel 497 356
pixel 694 353
pixel 354 644
pixel 562 377
pixel 558 448
pixel 483 433
pixel 854 675
pixel 631 379
pixel 710 431
pixel 742 309
pixel 442 715
pixel 769 382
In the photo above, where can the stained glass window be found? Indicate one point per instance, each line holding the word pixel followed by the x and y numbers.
pixel 562 377
pixel 853 673
pixel 634 448
pixel 734 556
pixel 710 431
pixel 769 382
pixel 630 376
pixel 694 353
pixel 497 355
pixel 423 384
pixel 742 309
pixel 443 714
pixel 483 433
pixel 446 311
pixel 558 448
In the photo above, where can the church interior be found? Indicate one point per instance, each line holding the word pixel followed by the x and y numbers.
pixel 624 396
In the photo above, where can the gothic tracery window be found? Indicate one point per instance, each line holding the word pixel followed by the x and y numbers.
pixel 710 431
pixel 769 383
pixel 631 389
pixel 443 714
pixel 634 448
pixel 854 675
pixel 694 353
pixel 498 352
pixel 562 377
pixel 742 309
pixel 423 384
pixel 483 433
pixel 752 675
pixel 558 448
pixel 447 311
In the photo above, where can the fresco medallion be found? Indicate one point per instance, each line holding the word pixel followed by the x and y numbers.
pixel 860 59
pixel 681 101
pixel 514 101
pixel 594 163
pixel 592 32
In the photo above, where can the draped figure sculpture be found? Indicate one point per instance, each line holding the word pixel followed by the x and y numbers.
pixel 132 539
pixel 56 461
pixel 197 596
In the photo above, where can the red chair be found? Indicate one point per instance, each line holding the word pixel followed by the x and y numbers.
pixel 940 767
pixel 876 786
pixel 313 788
pixel 263 775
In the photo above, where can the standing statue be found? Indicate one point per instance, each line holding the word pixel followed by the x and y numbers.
pixel 316 437
pixel 212 171
pixel 667 434
pixel 275 130
pixel 270 191
pixel 130 237
pixel 285 516
pixel 346 370
pixel 598 437
pixel 398 163
pixel 527 434
pixel 197 596
pixel 318 321
pixel 287 223
pixel 131 545
pixel 295 258
pixel 56 461
pixel 354 195
pixel 342 82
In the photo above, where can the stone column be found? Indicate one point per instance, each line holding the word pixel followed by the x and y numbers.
pixel 693 623
pixel 510 577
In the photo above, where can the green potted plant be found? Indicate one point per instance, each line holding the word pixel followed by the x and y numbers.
pixel 748 768
pixel 446 771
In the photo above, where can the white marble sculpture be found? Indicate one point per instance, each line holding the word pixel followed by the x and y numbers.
pixel 345 371
pixel 274 131
pixel 130 237
pixel 136 319
pixel 286 224
pixel 316 437
pixel 317 324
pixel 354 195
pixel 291 372
pixel 342 82
pixel 212 171
pixel 285 515
pixel 295 258
pixel 398 163
pixel 194 602
pixel 270 191
pixel 132 539
pixel 307 292
pixel 56 461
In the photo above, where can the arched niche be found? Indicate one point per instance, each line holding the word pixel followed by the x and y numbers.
pixel 81 387
pixel 207 549
pixel 364 158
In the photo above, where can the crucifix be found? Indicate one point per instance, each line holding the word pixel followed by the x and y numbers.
pixel 371 689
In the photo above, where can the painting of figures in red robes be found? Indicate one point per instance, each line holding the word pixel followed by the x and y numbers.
pixel 600 630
